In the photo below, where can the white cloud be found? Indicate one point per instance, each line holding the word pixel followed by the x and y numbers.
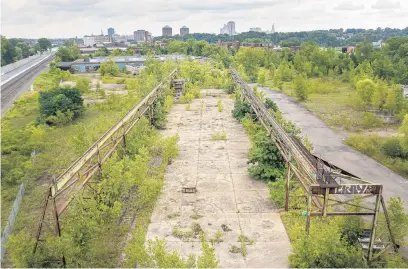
pixel 386 4
pixel 349 5
pixel 68 18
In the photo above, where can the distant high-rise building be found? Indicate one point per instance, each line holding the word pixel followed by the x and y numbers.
pixel 255 29
pixel 140 35
pixel 273 29
pixel 228 28
pixel 184 31
pixel 148 36
pixel 167 31
pixel 111 31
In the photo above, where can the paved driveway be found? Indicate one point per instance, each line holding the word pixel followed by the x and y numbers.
pixel 330 147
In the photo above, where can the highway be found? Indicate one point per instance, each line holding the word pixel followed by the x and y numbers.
pixel 17 78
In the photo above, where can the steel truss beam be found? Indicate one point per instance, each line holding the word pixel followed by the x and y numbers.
pixel 317 177
pixel 79 173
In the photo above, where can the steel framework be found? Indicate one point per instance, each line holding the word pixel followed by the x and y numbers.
pixel 324 184
pixel 78 175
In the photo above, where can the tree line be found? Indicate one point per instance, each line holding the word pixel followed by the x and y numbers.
pixel 327 38
pixel 15 49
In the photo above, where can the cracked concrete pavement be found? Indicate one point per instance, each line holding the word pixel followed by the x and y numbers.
pixel 226 194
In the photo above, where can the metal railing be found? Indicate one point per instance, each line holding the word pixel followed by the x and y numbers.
pixel 288 148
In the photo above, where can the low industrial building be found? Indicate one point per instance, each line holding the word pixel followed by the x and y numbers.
pixel 91 40
pixel 123 62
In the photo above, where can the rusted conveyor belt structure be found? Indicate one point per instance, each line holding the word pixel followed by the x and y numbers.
pixel 79 173
pixel 324 184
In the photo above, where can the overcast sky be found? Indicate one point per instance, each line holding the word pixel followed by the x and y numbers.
pixel 69 18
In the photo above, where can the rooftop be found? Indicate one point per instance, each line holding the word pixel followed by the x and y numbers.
pixel 166 27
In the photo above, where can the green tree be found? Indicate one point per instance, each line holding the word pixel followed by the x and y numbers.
pixel 395 100
pixel 277 80
pixel 44 44
pixel 109 68
pixel 8 52
pixel 379 95
pixel 62 100
pixel 365 90
pixel 403 130
pixel 261 77
pixel 25 49
pixel 301 88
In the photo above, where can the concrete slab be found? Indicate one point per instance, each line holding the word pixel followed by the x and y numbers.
pixel 227 198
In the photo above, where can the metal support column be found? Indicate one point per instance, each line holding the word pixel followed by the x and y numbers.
pixel 374 227
pixel 325 203
pixel 308 210
pixel 287 185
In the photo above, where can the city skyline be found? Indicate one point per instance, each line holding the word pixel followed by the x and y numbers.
pixel 23 18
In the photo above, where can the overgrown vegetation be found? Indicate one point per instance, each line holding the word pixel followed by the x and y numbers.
pixel 60 105
pixel 353 92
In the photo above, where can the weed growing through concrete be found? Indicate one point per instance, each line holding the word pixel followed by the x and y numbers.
pixel 244 242
pixel 202 107
pixel 225 228
pixel 173 215
pixel 219 136
pixel 188 107
pixel 196 215
pixel 217 237
pixel 220 107
pixel 193 232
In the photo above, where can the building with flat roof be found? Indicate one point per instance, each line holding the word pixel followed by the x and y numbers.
pixel 228 28
pixel 92 65
pixel 91 40
pixel 140 35
pixel 184 31
pixel 167 31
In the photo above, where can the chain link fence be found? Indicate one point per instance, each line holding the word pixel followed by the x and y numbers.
pixel 11 219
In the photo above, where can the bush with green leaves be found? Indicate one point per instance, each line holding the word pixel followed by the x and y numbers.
pixel 392 147
pixel 60 105
pixel 269 104
pixel 267 162
pixel 241 108
pixel 370 120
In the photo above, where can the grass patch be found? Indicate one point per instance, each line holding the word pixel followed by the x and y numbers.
pixel 196 215
pixel 217 237
pixel 173 215
pixel 219 136
pixel 219 106
pixel 372 146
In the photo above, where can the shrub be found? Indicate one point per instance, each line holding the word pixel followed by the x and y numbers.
pixel 109 68
pixel 241 108
pixel 370 120
pixel 392 147
pixel 301 88
pixel 83 84
pixel 219 106
pixel 269 104
pixel 62 100
pixel 267 161
pixel 187 98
